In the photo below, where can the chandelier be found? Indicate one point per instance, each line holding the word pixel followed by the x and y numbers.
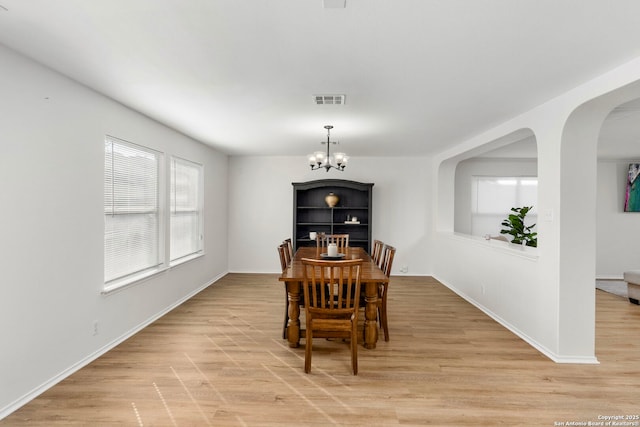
pixel 320 159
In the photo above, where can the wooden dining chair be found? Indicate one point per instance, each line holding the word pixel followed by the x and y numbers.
pixel 376 253
pixel 388 253
pixel 287 253
pixel 321 240
pixel 289 244
pixel 341 240
pixel 282 249
pixel 331 297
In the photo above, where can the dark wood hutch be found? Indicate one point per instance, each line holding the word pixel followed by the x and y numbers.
pixel 311 212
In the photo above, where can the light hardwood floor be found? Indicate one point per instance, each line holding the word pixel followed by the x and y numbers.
pixel 219 360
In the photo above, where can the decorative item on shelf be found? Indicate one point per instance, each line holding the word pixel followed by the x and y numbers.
pixel 515 227
pixel 319 159
pixel 331 200
pixel 313 235
pixel 352 220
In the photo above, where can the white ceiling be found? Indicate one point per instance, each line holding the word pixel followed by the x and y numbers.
pixel 240 74
pixel 619 137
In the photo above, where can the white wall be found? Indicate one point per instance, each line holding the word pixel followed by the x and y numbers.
pixel 51 247
pixel 546 296
pixel 261 207
pixel 617 231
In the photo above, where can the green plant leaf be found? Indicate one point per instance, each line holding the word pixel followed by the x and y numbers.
pixel 515 226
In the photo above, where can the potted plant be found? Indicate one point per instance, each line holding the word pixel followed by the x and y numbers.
pixel 516 227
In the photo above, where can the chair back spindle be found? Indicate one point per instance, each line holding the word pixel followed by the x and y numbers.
pixel 386 262
pixel 321 240
pixel 341 241
pixel 283 257
pixel 289 244
pixel 376 253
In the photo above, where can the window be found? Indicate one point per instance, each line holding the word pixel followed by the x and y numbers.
pixel 137 198
pixel 493 197
pixel 131 211
pixel 186 209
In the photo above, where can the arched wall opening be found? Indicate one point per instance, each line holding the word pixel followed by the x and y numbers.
pixel 617 230
pixel 447 190
pixel 578 219
pixel 547 296
pixel 499 278
pixel 489 184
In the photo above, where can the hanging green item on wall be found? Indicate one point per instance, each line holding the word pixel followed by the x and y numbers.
pixel 516 227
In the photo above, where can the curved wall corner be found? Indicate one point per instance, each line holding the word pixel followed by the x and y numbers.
pixel 577 218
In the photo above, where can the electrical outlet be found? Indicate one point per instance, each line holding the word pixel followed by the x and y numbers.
pixel 404 269
pixel 95 327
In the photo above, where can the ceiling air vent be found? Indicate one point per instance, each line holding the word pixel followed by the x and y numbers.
pixel 329 99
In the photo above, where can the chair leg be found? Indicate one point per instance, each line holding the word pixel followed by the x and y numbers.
pixel 307 350
pixel 286 313
pixel 381 290
pixel 354 349
pixel 383 315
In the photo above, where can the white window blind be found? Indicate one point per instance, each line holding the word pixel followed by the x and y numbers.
pixel 185 208
pixel 493 197
pixel 131 209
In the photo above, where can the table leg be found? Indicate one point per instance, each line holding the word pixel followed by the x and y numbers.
pixel 371 315
pixel 293 327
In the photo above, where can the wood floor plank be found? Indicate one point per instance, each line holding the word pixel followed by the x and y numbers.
pixel 219 359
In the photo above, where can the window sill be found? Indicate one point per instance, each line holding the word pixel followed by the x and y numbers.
pixel 186 259
pixel 526 252
pixel 129 281
pixel 118 285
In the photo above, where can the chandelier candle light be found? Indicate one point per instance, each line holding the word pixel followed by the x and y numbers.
pixel 319 159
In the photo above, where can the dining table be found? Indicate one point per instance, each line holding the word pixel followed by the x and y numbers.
pixel 371 277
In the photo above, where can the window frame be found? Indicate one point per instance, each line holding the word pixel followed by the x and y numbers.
pixel 163 197
pixel 137 275
pixel 199 209
pixel 477 215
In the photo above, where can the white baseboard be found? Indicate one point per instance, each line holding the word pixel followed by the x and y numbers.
pixel 532 342
pixel 15 405
pixel 619 278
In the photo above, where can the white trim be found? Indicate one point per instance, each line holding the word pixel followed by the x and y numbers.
pixel 186 259
pixel 618 278
pixel 173 160
pixel 26 398
pixel 532 342
pixel 131 280
pixel 526 252
pixel 161 263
